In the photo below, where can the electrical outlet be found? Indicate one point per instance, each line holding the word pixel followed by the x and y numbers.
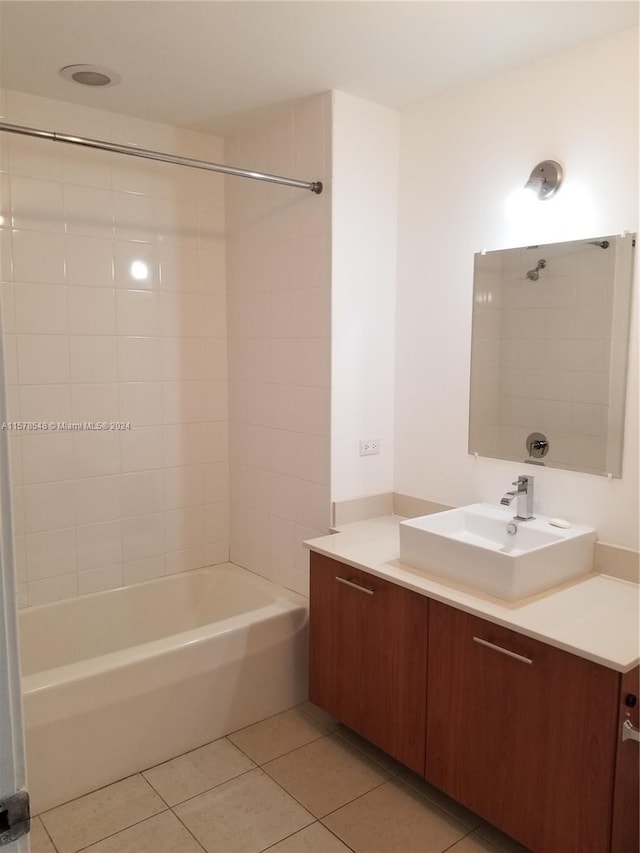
pixel 369 446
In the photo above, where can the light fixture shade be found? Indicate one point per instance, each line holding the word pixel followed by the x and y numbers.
pixel 545 179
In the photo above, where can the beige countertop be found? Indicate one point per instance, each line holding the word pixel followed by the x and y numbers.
pixel 595 617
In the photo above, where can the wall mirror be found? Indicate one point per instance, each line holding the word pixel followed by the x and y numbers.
pixel 549 353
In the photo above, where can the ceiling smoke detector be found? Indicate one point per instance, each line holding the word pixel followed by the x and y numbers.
pixel 90 75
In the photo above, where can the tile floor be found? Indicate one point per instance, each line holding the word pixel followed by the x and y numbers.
pixel 294 783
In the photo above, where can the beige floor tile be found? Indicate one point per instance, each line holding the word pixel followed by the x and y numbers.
pixel 319 715
pixel 437 796
pixel 394 767
pixel 473 843
pixel 40 841
pixel 503 842
pixel 278 735
pixel 326 774
pixel 197 771
pixel 395 819
pixel 314 839
pixel 245 815
pixel 160 834
pixel 95 816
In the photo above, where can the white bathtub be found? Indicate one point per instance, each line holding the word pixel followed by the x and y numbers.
pixel 121 680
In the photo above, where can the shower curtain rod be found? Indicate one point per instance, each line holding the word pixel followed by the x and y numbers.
pixel 314 186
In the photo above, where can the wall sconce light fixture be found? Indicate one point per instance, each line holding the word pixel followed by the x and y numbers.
pixel 545 179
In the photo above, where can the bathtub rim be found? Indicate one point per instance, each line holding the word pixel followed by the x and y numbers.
pixel 284 600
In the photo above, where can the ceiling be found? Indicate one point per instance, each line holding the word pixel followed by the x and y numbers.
pixel 206 65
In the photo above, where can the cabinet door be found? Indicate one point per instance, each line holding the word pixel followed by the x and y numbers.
pixel 521 733
pixel 626 800
pixel 368 657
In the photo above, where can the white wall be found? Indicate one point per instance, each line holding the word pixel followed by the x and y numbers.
pixel 279 286
pixel 461 157
pixel 86 341
pixel 365 198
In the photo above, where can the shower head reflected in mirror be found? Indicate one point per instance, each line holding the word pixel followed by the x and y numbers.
pixel 534 274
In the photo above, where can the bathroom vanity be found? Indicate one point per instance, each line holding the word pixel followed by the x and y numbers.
pixel 515 709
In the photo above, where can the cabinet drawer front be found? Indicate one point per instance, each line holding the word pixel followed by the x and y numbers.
pixel 521 732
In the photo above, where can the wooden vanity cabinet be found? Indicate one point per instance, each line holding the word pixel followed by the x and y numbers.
pixel 522 733
pixel 368 657
pixel 626 789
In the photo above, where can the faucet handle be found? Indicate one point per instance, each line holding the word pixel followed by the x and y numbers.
pixel 523 480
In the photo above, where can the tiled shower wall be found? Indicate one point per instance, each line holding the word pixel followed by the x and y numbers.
pixel 278 279
pixel 113 280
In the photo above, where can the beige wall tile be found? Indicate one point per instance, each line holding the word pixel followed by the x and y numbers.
pixel 89 261
pixel 43 360
pixel 97 580
pixel 47 457
pixel 48 506
pixel 139 359
pixel 141 448
pixel 88 211
pixel 38 257
pixel 52 589
pixel 93 358
pixel 50 554
pixel 92 310
pixel 142 536
pixel 142 493
pixel 98 544
pixel 97 499
pixel 41 308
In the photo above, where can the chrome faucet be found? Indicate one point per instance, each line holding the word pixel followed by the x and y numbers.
pixel 524 495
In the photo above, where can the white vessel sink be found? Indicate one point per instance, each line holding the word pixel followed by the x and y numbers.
pixel 471 545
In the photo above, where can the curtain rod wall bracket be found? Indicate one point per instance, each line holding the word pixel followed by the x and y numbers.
pixel 314 186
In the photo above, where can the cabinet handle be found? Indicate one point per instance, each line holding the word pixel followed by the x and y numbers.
pixel 354 585
pixel 630 732
pixel 502 651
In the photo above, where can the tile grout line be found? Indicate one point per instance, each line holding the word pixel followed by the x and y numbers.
pixel 394 773
pixel 277 757
pixel 271 846
pixel 393 776
pixel 291 834
pixel 124 829
pixel 259 722
pixel 94 791
pixel 452 846
pixel 349 802
pixel 46 832
pixel 341 840
pixel 182 823
pixel 212 788
pixel 437 805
